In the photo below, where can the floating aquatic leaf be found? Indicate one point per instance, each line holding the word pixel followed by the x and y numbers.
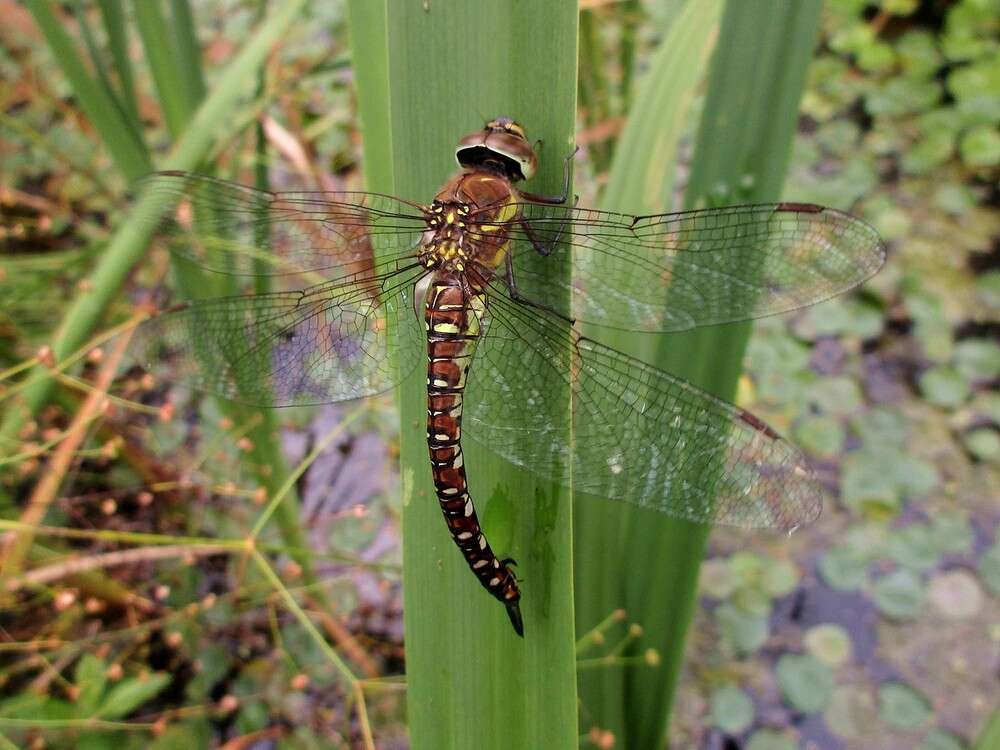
pixel 745 632
pixel 939 739
pixel 731 710
pixel 899 595
pixel 843 568
pixel 851 713
pixel 829 643
pixel 901 707
pixel 806 682
pixel 956 593
pixel 978 359
pixel 822 437
pixel 983 443
pixel 771 739
pixel 989 569
pixel 944 387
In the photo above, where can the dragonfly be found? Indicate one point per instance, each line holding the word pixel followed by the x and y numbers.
pixel 460 283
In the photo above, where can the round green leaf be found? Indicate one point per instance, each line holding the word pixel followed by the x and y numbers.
pixel 983 443
pixel 989 569
pixel 868 489
pixel 918 53
pixel 771 739
pixel 821 436
pixel 956 594
pixel 806 682
pixel 978 359
pixel 780 578
pixel 745 632
pixel 901 707
pixel 938 739
pixel 914 547
pixel 843 568
pixel 899 595
pixel 731 710
pixel 952 533
pixel 944 387
pixel 980 147
pixel 851 713
pixel 829 643
pixel 716 579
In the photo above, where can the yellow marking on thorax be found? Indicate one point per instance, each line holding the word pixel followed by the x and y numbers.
pixel 507 212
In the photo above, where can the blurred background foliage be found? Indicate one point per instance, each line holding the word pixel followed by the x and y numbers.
pixel 876 627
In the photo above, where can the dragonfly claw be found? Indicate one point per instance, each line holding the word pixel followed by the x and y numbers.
pixel 514 613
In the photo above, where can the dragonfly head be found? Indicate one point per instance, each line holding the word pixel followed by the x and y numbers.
pixel 501 146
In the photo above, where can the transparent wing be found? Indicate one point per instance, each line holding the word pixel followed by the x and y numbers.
pixel 640 434
pixel 329 342
pixel 235 229
pixel 673 272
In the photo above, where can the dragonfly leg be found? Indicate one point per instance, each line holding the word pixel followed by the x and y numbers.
pixel 515 295
pixel 556 200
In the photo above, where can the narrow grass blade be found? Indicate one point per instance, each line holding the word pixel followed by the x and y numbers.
pixel 744 137
pixel 641 180
pixel 472 682
pixel 114 28
pixel 188 51
pixel 129 154
pixel 164 63
pixel 132 236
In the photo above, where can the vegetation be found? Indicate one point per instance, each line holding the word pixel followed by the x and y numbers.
pixel 149 601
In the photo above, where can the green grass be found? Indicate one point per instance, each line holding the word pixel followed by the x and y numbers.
pixel 742 145
pixel 472 682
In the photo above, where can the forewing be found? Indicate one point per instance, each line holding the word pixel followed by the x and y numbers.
pixel 640 435
pixel 673 272
pixel 329 342
pixel 235 229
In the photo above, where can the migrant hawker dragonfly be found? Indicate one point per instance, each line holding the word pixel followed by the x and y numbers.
pixel 455 281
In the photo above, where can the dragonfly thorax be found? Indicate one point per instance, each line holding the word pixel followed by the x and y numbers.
pixel 446 243
pixel 463 235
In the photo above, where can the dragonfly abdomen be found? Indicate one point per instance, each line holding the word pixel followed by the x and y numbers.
pixel 452 317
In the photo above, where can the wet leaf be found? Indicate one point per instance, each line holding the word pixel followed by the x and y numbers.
pixel 745 632
pixel 716 579
pixel 914 547
pixel 731 710
pixel 899 595
pixel 918 53
pixel 980 147
pixel 952 533
pixel 881 426
pixel 806 683
pixel 956 199
pixel 836 395
pixel 844 569
pixel 771 739
pixel 944 387
pixel 822 437
pixel 851 713
pixel 829 643
pixel 903 96
pixel 901 707
pixel 868 489
pixel 988 289
pixel 939 739
pixel 989 569
pixel 780 578
pixel 983 443
pixel 978 359
pixel 956 594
